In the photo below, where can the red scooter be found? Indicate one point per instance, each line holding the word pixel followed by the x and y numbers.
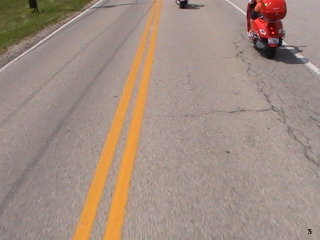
pixel 266 31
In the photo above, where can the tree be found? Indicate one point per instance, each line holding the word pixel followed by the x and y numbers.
pixel 33 4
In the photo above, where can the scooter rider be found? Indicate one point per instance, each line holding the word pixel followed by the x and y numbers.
pixel 178 1
pixel 255 5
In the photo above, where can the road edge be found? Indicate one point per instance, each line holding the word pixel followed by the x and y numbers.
pixel 18 50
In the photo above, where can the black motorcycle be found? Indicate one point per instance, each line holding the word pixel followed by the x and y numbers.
pixel 182 3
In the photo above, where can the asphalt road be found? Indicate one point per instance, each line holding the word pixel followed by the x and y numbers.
pixel 215 142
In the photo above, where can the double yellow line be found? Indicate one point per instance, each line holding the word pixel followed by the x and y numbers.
pixel 120 196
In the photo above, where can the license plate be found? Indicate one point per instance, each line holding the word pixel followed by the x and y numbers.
pixel 273 40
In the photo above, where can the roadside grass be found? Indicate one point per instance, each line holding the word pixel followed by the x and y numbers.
pixel 18 21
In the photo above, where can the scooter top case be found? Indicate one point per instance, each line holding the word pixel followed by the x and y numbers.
pixel 273 9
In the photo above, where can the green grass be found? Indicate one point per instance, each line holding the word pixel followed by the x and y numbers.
pixel 17 20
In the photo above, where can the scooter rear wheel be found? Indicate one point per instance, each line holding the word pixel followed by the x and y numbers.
pixel 270 52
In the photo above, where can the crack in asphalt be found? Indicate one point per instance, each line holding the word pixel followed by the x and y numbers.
pixel 196 115
pixel 190 83
pixel 316 120
pixel 261 87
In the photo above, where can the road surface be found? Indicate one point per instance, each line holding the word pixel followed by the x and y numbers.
pixel 140 120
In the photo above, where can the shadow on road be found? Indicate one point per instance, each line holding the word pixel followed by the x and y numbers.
pixel 287 56
pixel 194 6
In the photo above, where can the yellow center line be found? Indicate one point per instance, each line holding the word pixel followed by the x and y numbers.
pixel 87 217
pixel 120 197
